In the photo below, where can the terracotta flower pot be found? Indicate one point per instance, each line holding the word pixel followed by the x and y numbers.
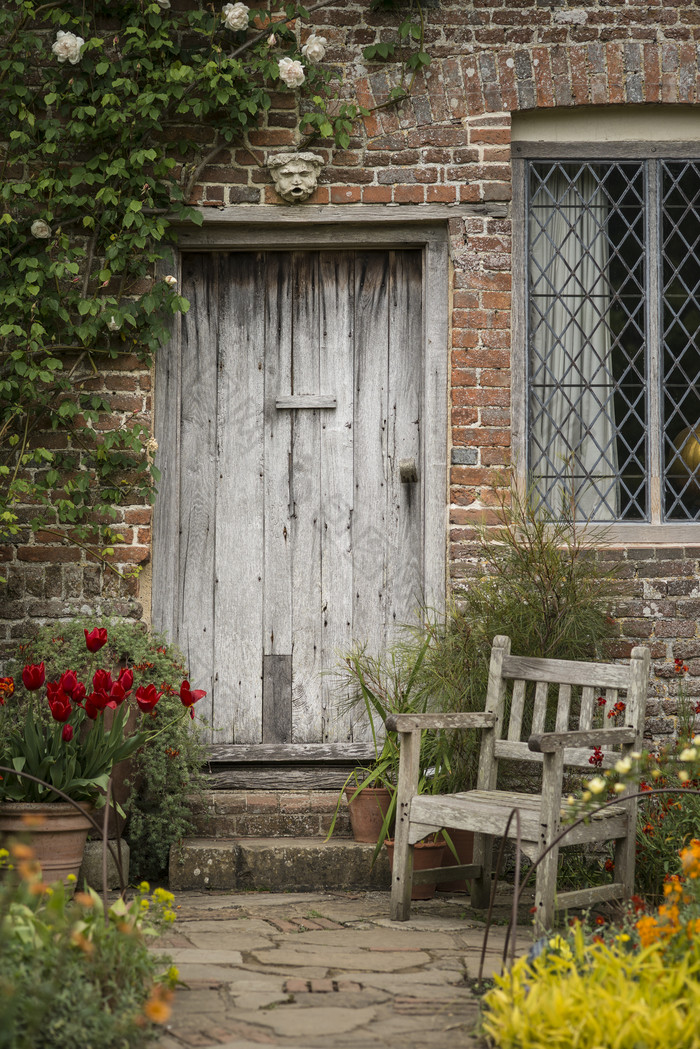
pixel 463 841
pixel 56 831
pixel 367 811
pixel 426 855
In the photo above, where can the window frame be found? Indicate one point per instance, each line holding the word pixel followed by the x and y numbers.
pixel 614 533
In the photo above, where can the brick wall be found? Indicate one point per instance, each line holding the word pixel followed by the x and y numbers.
pixel 448 144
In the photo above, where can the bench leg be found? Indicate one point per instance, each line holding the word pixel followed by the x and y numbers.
pixel 401 879
pixel 545 890
pixel 481 886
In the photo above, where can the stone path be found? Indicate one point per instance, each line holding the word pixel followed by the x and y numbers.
pixel 326 970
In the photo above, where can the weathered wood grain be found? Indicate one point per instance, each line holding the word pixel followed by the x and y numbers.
pixel 600 675
pixel 337 370
pixel 369 519
pixel 306 523
pixel 306 400
pixel 239 500
pixel 277 699
pixel 198 474
pixel 405 502
pixel 278 466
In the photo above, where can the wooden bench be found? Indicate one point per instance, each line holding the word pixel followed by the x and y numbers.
pixel 521 686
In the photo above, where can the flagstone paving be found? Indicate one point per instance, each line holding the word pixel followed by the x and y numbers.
pixel 326 970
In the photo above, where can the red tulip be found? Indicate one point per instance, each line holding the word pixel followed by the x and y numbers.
pixel 33 676
pixel 189 697
pixel 102 680
pixel 126 678
pixel 67 734
pixel 147 696
pixel 69 682
pixel 96 639
pixel 60 706
pixel 117 695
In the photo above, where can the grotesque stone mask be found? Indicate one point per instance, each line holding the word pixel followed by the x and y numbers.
pixel 295 174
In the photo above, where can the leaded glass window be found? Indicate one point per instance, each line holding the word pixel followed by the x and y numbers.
pixel 614 337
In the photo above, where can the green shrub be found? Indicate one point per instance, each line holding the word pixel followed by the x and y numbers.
pixel 69 979
pixel 541 585
pixel 166 775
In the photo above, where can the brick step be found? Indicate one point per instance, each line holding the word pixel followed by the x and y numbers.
pixel 270 813
pixel 275 864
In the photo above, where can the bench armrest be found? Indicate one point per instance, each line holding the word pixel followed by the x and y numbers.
pixel 414 722
pixel 548 742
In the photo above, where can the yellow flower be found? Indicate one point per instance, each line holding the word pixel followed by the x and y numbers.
pixel 623 765
pixel 596 785
pixel 683 776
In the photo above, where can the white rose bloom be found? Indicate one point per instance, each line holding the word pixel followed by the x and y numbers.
pixel 315 48
pixel 67 47
pixel 41 229
pixel 113 324
pixel 165 4
pixel 292 72
pixel 235 16
pixel 172 281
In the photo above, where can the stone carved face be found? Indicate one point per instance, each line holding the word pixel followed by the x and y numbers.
pixel 295 174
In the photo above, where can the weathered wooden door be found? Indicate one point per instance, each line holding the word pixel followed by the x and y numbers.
pixel 300 395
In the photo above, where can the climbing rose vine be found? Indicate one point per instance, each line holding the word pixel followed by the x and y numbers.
pixel 97 103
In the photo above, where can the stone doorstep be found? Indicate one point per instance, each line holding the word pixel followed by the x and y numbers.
pixel 277 865
pixel 270 813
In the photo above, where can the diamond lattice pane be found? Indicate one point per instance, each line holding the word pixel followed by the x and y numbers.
pixel 680 321
pixel 587 338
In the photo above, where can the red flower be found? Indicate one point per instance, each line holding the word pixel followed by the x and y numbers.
pixel 601 701
pixel 60 706
pixel 96 639
pixel 68 681
pixel 102 680
pixel 596 758
pixel 609 865
pixel 147 696
pixel 189 697
pixel 97 701
pixel 67 734
pixel 33 676
pixel 126 678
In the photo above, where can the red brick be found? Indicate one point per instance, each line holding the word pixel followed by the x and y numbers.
pixel 409 194
pixel 544 86
pixel 441 194
pixel 376 194
pixel 345 194
pixel 55 554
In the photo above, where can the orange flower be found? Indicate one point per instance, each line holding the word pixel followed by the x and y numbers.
pixel 158 1007
pixel 648 930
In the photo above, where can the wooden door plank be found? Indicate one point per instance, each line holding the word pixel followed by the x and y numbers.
pixel 306 499
pixel 277 582
pixel 198 473
pixel 166 512
pixel 370 448
pixel 404 533
pixel 239 533
pixel 277 699
pixel 336 300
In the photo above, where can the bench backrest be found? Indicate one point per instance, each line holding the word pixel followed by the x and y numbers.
pixel 522 693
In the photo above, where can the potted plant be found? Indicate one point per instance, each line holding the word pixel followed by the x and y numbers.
pixel 59 741
pixel 385 685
